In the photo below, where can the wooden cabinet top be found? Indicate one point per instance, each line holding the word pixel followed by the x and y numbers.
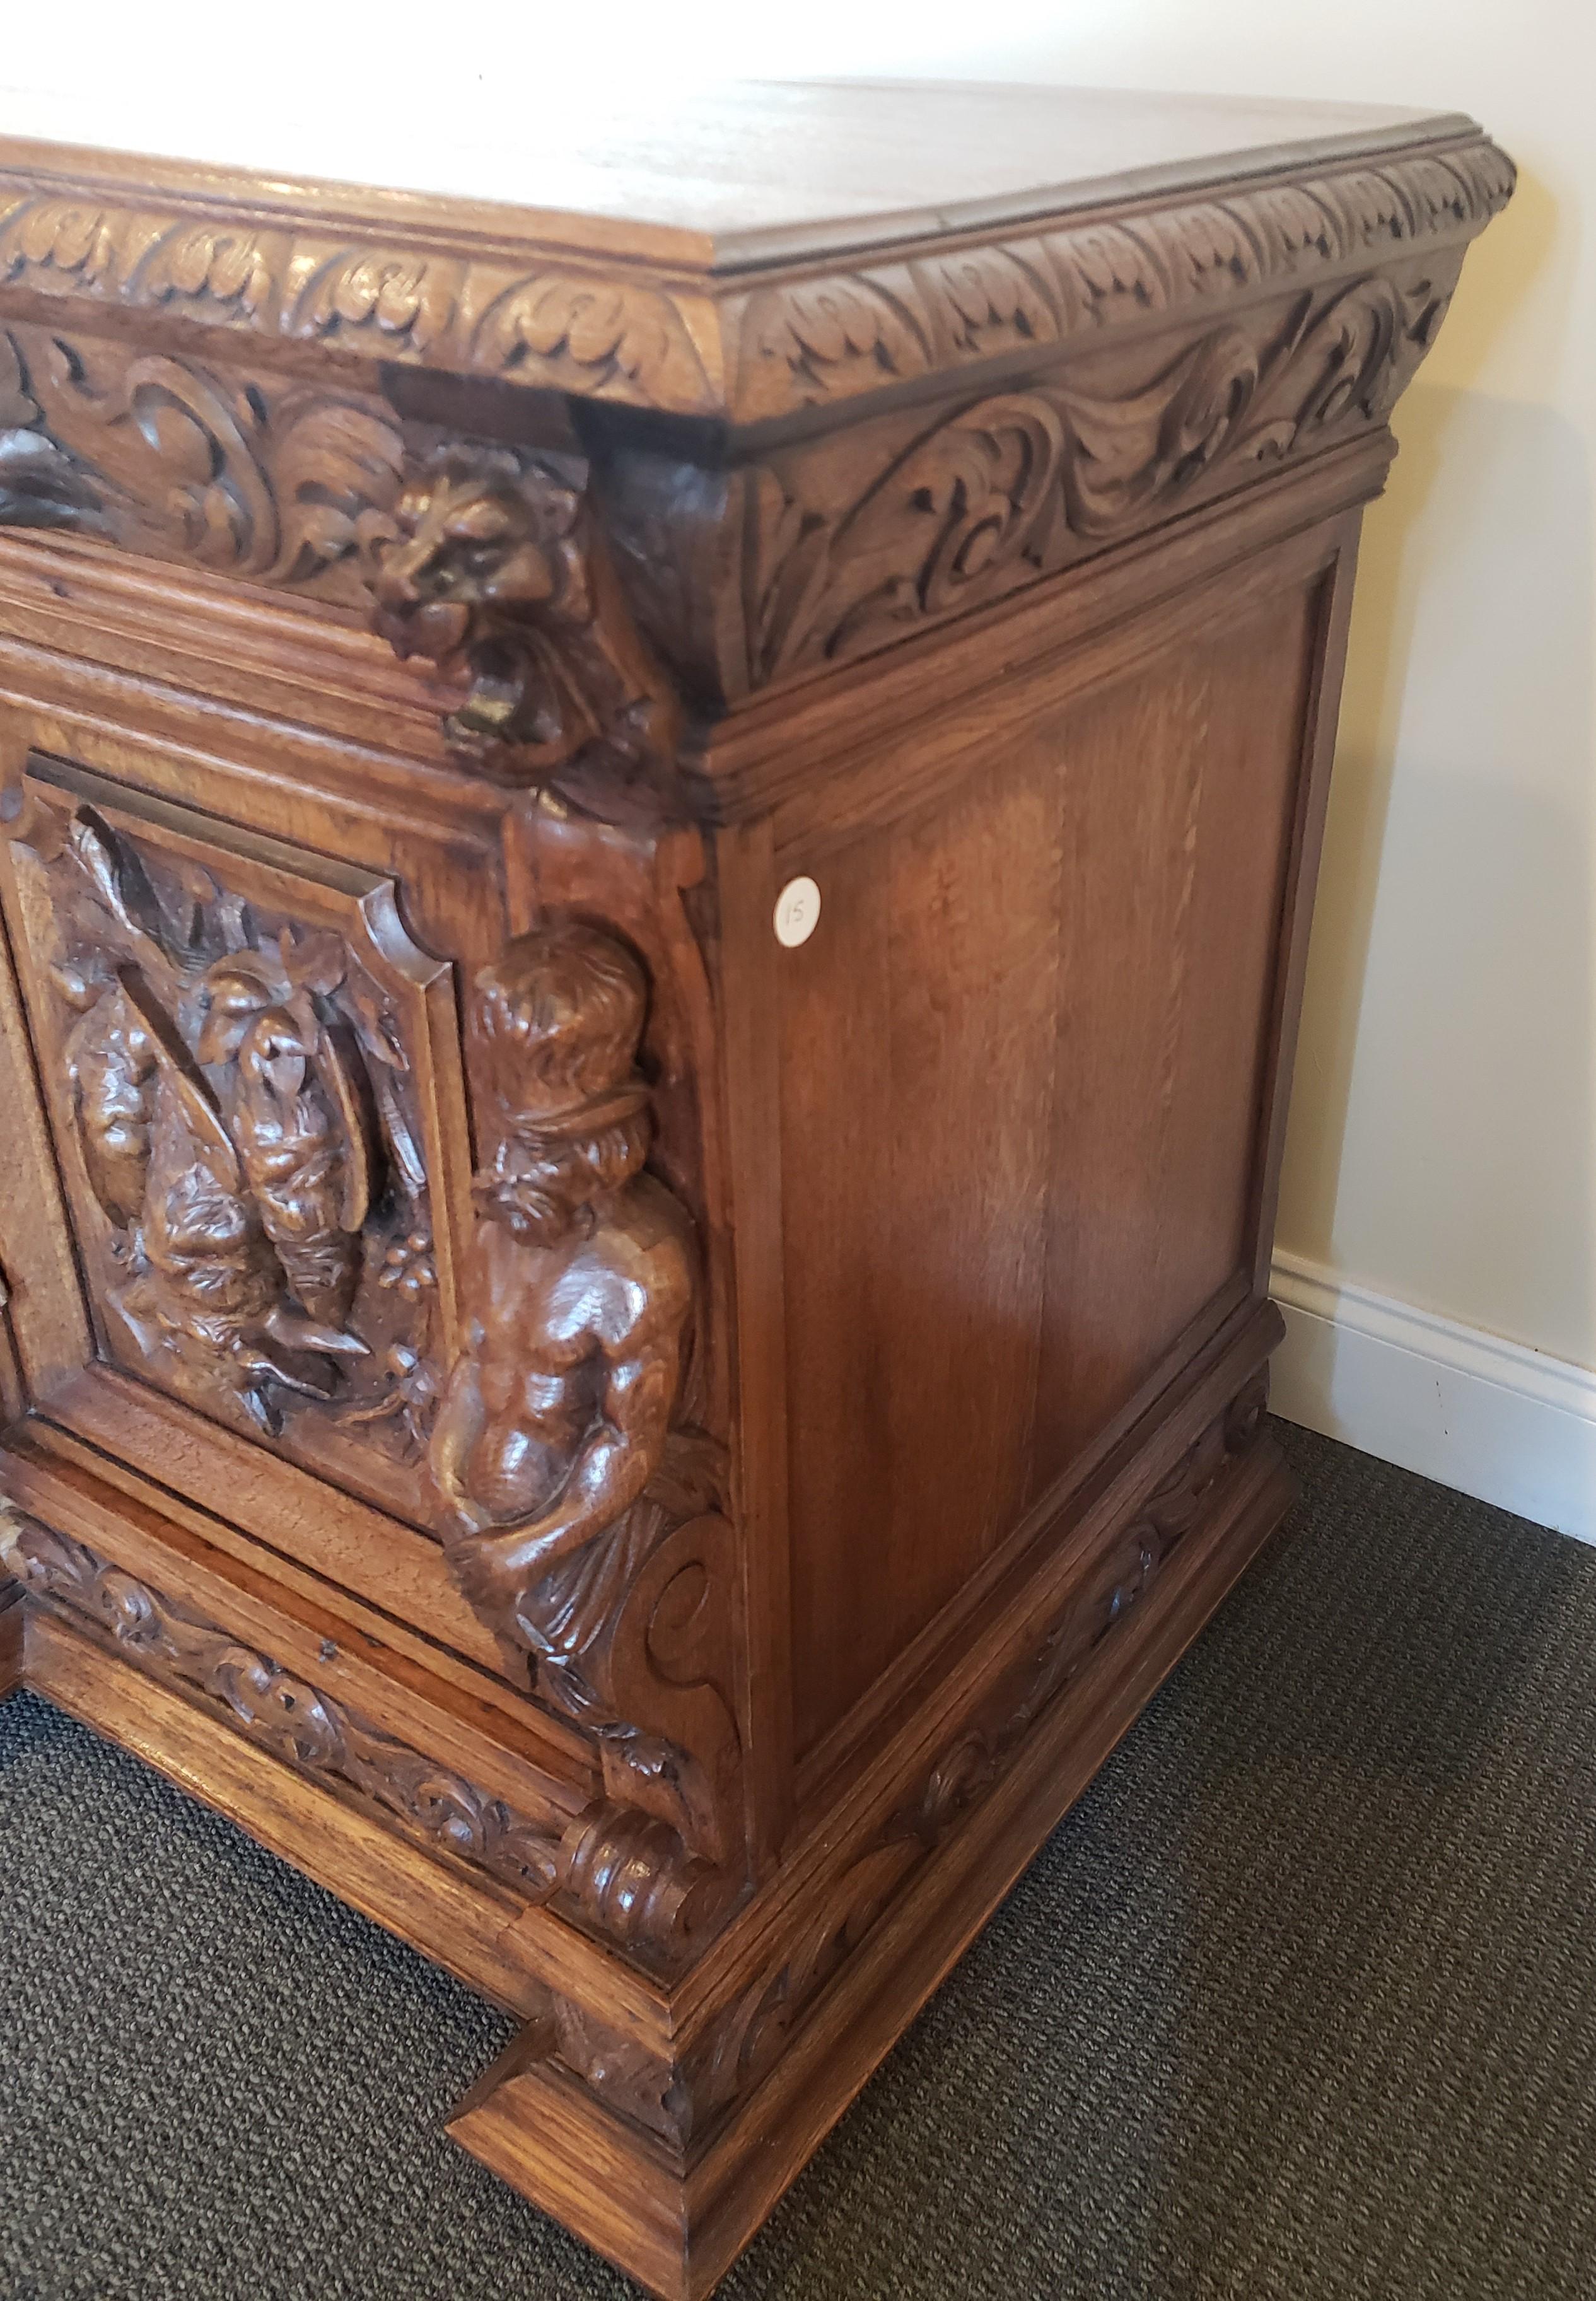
pixel 747 252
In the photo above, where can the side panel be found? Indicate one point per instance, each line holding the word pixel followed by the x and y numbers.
pixel 1021 1062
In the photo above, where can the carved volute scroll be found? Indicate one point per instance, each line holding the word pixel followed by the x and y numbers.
pixel 232 1034
pixel 495 576
pixel 586 1526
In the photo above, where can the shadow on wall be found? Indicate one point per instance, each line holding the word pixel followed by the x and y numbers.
pixel 1444 1105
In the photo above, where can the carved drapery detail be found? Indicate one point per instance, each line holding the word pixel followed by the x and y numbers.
pixel 274 483
pixel 712 346
pixel 240 1084
pixel 281 1712
pixel 492 574
pixel 586 1525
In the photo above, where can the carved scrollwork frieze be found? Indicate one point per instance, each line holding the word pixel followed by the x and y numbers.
pixel 622 1876
pixel 295 1721
pixel 284 485
pixel 847 544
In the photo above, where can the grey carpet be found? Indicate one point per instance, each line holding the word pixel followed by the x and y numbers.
pixel 1298 2004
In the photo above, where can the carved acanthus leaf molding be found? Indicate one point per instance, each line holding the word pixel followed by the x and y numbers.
pixel 707 345
pixel 811 342
pixel 274 483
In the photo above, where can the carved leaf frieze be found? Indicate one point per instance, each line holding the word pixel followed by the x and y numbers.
pixel 1021 484
pixel 711 347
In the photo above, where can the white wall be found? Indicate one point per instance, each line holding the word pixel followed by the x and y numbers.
pixel 1443 1148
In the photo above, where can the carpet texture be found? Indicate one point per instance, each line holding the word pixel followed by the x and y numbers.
pixel 1297 2004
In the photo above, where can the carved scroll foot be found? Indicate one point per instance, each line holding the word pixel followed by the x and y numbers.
pixel 631 1878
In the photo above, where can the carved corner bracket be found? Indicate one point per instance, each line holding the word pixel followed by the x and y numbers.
pixel 584 1499
pixel 494 574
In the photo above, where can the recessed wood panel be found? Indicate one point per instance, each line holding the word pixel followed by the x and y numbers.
pixel 1021 1061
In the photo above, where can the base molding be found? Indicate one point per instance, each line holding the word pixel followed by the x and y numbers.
pixel 461 1925
pixel 662 2120
pixel 1488 1417
pixel 676 2220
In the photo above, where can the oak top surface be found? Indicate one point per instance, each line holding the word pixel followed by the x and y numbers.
pixel 723 178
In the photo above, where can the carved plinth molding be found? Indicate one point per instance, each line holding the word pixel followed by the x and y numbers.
pixel 295 1721
pixel 621 1875
pixel 678 2102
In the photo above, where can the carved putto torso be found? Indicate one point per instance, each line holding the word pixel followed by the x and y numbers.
pixel 557 1414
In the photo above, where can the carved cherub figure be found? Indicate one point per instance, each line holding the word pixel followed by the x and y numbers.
pixel 557 1411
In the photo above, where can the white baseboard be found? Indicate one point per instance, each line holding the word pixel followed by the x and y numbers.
pixel 1487 1417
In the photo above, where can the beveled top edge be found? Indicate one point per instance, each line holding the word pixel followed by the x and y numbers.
pixel 292 268
pixel 769 174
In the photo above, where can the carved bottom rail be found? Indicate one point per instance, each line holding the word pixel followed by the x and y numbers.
pixel 623 1875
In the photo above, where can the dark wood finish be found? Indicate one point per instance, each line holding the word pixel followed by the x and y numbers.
pixel 656 1458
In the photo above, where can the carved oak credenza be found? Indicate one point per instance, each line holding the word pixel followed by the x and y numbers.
pixel 656 862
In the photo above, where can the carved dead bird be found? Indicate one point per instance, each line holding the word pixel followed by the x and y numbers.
pixel 212 1287
pixel 303 1132
pixel 112 1066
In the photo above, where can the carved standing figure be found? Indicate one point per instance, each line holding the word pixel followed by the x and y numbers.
pixel 557 1414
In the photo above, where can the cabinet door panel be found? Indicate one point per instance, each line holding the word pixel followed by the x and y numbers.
pixel 253 1080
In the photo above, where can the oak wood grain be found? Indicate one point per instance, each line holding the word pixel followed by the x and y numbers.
pixel 653 1447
